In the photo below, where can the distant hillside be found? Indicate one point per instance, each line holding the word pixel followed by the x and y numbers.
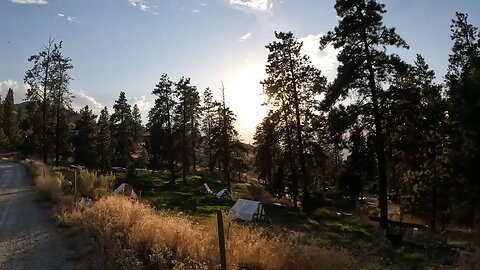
pixel 21 108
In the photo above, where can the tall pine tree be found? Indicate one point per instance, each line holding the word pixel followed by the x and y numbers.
pixel 364 66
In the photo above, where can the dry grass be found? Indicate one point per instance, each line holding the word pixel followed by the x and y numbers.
pixel 469 260
pixel 133 235
pixel 93 185
pixel 48 183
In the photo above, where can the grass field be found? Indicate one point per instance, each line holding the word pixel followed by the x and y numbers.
pixel 358 236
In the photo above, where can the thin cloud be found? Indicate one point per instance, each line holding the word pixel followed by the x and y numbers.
pixel 245 37
pixel 325 60
pixel 82 99
pixel 143 5
pixel 19 89
pixel 256 5
pixel 144 105
pixel 195 11
pixel 30 2
pixel 72 19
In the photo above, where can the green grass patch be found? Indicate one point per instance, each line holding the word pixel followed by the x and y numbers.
pixel 190 197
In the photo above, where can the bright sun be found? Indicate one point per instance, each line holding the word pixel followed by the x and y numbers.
pixel 244 96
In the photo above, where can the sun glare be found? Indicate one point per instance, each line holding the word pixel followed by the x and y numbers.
pixel 245 97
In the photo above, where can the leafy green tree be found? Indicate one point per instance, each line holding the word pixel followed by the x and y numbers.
pixel 122 132
pixel 364 67
pixel 160 125
pixel 292 85
pixel 86 138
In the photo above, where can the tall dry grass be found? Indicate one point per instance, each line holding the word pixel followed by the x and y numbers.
pixel 135 236
pixel 94 185
pixel 48 183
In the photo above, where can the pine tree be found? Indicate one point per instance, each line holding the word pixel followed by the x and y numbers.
pixel 268 150
pixel 292 85
pixel 137 125
pixel 463 82
pixel 104 141
pixel 185 112
pixel 122 131
pixel 32 128
pixel 10 121
pixel 209 110
pixel 3 138
pixel 160 125
pixel 60 95
pixel 364 65
pixel 86 139
pixel 226 137
pixel 40 78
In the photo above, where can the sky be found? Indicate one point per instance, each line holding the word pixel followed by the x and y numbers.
pixel 125 45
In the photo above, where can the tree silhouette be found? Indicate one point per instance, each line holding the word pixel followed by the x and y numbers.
pixel 364 66
pixel 122 131
pixel 42 79
pixel 86 139
pixel 292 84
pixel 160 126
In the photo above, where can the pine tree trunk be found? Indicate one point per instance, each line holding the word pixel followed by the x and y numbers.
pixel 194 161
pixel 290 159
pixel 44 113
pixel 301 154
pixel 379 140
pixel 57 138
pixel 434 194
pixel 171 165
pixel 184 145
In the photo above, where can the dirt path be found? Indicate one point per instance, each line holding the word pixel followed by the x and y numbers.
pixel 28 236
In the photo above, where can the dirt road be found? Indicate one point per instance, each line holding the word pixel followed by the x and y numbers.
pixel 28 236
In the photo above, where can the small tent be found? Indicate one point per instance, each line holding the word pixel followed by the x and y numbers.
pixel 126 190
pixel 247 210
pixel 222 194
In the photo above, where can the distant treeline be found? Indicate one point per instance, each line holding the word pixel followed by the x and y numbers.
pixel 182 126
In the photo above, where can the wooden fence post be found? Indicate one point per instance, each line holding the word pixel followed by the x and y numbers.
pixel 75 188
pixel 221 241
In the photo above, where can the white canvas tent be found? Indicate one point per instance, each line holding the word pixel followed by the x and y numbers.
pixel 247 210
pixel 126 190
pixel 222 193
